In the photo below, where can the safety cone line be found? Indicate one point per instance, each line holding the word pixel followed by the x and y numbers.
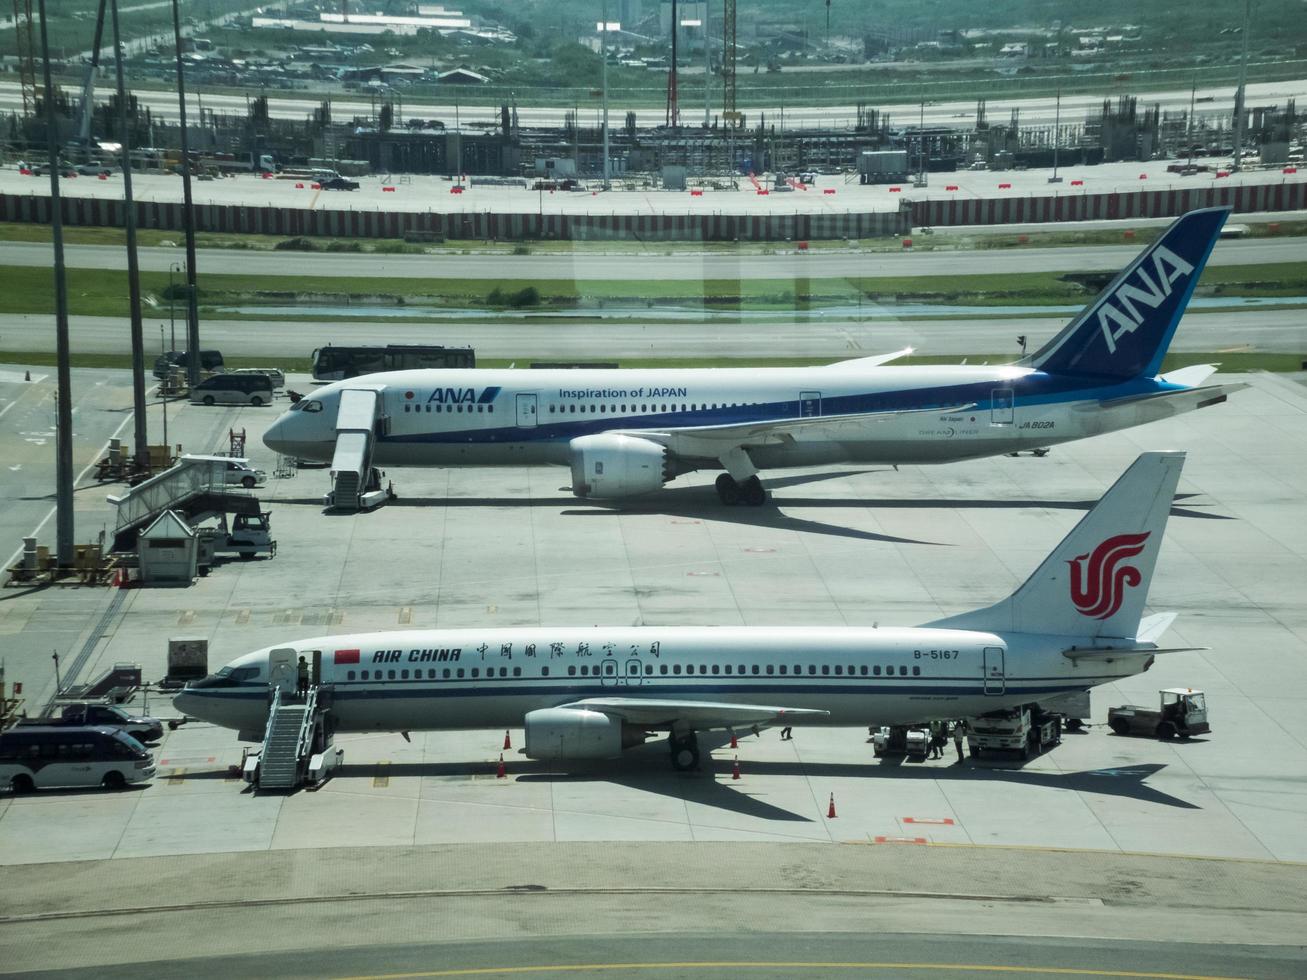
pixel 735 770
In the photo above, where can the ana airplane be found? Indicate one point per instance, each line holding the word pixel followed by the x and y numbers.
pixel 589 693
pixel 627 432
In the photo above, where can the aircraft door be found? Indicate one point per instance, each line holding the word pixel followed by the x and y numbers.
pixel 282 671
pixel 608 672
pixel 809 404
pixel 526 411
pixel 1001 410
pixel 995 679
pixel 634 672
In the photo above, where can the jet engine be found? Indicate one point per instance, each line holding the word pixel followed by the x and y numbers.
pixel 609 465
pixel 567 733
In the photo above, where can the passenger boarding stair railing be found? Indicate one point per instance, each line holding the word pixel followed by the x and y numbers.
pixel 356 486
pixel 296 743
pixel 196 487
pixel 286 742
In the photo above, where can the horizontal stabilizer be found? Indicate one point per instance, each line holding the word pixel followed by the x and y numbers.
pixel 1167 403
pixel 1191 376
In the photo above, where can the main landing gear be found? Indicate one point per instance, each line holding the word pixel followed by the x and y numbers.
pixel 732 492
pixel 685 751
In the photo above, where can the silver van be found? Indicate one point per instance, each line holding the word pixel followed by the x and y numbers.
pixel 277 375
pixel 233 389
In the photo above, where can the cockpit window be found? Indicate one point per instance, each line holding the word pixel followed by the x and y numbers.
pixel 229 676
pixel 311 406
pixel 297 406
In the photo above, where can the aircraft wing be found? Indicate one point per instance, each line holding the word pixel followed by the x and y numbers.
pixel 874 360
pixel 713 440
pixel 701 715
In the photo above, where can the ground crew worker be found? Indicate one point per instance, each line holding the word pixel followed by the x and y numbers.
pixel 302 676
pixel 959 729
pixel 787 733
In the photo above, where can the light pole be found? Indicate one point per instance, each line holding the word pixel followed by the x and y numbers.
pixel 176 267
pixel 163 401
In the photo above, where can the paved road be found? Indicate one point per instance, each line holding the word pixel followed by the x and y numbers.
pixel 587 266
pixel 734 954
pixel 1283 331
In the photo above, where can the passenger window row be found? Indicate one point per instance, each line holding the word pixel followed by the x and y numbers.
pixel 644 408
pixel 585 670
pixel 489 409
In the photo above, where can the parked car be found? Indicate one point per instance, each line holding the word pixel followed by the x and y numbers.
pixel 239 473
pixel 276 375
pixel 81 714
pixel 93 170
pixel 210 360
pixel 340 184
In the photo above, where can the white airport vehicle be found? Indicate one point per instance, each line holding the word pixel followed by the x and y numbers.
pixel 1022 730
pixel 589 693
pixel 914 742
pixel 240 473
pixel 628 432
pixel 46 757
pixel 1181 714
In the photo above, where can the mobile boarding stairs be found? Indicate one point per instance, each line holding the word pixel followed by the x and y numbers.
pixel 297 742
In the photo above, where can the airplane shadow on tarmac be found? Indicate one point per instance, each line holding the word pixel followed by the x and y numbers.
pixel 711 785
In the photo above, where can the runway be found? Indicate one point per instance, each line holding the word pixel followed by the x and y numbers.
pixel 808 336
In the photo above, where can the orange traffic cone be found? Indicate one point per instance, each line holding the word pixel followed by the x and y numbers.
pixel 735 770
pixel 830 811
pixel 501 772
pixel 735 743
pixel 507 744
pixel 27 375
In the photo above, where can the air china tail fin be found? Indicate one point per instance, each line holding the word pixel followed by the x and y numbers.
pixel 1095 582
pixel 1125 331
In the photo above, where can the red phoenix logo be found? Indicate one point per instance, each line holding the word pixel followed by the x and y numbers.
pixel 1099 580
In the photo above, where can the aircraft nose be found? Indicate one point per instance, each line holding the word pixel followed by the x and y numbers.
pixel 184 702
pixel 275 437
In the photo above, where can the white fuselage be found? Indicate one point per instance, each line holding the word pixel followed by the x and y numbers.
pixel 913 414
pixel 420 680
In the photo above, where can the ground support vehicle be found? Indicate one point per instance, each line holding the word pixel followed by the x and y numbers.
pixel 912 741
pixel 1022 730
pixel 1182 713
pixel 82 714
pixel 249 536
pixel 46 756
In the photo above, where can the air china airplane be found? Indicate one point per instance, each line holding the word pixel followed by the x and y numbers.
pixel 628 432
pixel 590 693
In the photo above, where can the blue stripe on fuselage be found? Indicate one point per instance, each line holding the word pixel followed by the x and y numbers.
pixel 1029 391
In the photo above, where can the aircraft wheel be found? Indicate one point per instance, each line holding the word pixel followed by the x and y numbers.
pixel 685 753
pixel 728 491
pixel 753 493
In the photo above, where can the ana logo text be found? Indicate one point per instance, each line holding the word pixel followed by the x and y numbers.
pixel 458 396
pixel 1099 580
pixel 1124 314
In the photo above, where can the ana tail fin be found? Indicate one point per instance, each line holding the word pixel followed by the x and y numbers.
pixel 1125 331
pixel 1095 583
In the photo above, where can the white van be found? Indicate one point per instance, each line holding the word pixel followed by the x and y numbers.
pixel 233 389
pixel 44 756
